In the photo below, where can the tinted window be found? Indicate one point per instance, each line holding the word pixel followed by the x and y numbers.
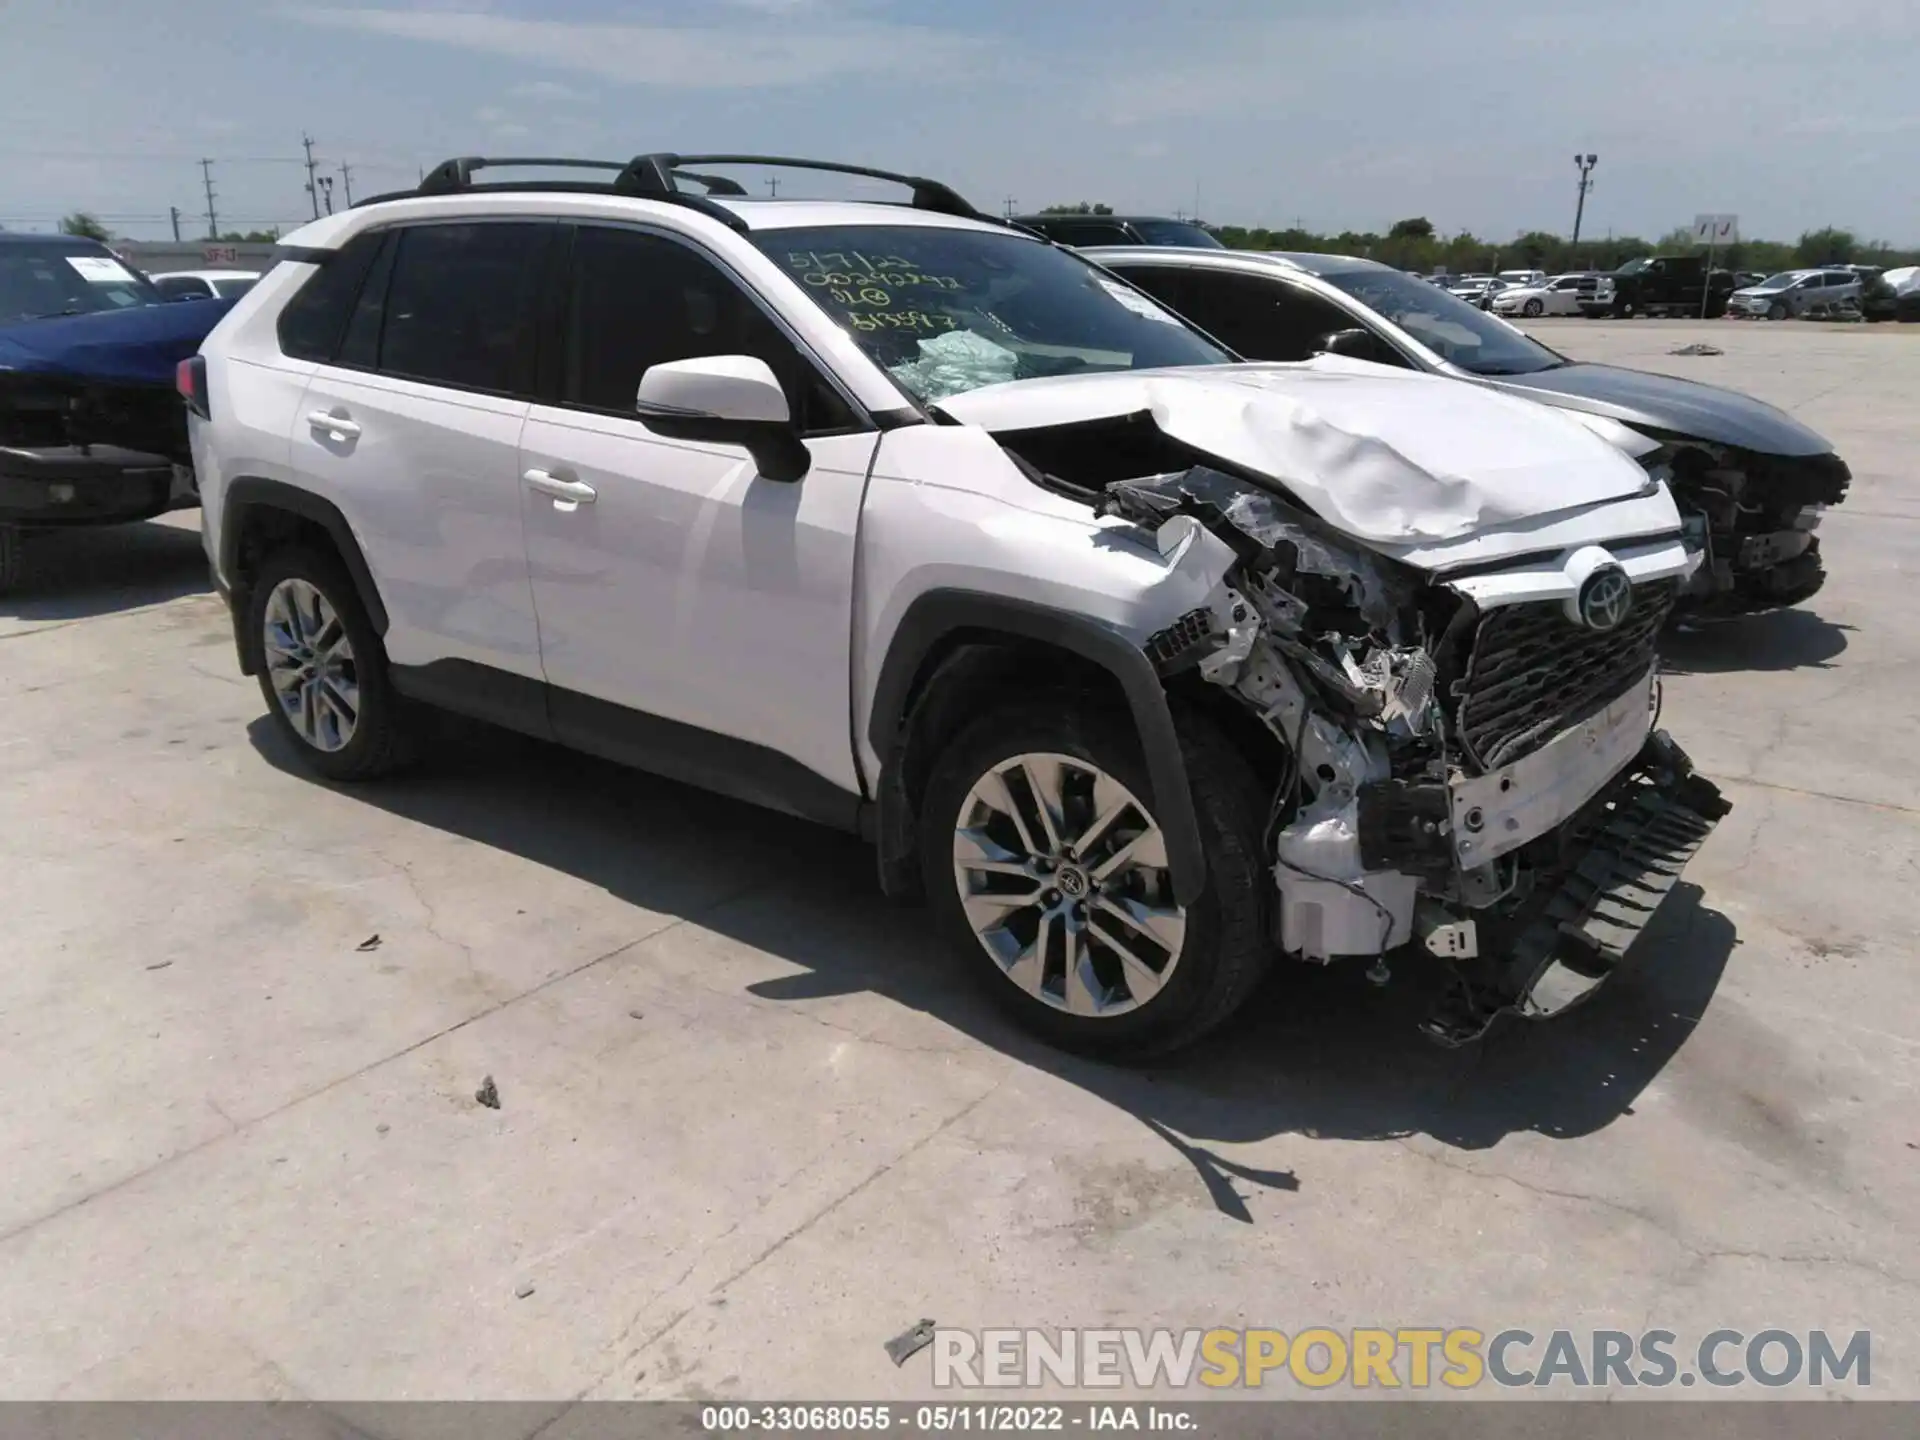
pixel 310 325
pixel 1262 319
pixel 361 346
pixel 1177 232
pixel 183 287
pixel 636 301
pixel 229 289
pixel 1164 282
pixel 1091 232
pixel 458 304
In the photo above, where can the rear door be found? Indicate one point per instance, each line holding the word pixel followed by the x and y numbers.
pixel 412 428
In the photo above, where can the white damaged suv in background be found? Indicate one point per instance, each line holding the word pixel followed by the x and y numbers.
pixel 1146 668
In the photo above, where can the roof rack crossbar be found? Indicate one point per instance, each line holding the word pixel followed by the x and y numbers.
pixel 456 177
pixel 654 175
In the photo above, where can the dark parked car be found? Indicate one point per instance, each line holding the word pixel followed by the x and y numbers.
pixel 1082 230
pixel 92 431
pixel 1665 285
pixel 1750 479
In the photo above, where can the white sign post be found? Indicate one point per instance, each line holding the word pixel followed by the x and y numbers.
pixel 1715 231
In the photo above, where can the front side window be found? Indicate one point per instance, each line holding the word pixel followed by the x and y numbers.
pixel 946 309
pixel 1176 232
pixel 459 302
pixel 1261 319
pixel 1459 333
pixel 636 300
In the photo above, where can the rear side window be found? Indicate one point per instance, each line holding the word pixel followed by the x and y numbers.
pixel 311 324
pixel 459 303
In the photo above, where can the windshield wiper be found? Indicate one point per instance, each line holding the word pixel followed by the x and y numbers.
pixel 57 314
pixel 1494 371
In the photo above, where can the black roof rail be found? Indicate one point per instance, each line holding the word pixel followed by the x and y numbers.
pixel 456 177
pixel 657 176
pixel 654 175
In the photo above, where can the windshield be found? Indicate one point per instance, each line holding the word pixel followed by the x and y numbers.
pixel 1454 330
pixel 1785 280
pixel 44 280
pixel 946 310
pixel 239 285
pixel 1176 232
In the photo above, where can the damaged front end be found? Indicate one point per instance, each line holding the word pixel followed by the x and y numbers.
pixel 1752 517
pixel 1487 782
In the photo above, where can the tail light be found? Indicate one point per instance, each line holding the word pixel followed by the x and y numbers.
pixel 190 379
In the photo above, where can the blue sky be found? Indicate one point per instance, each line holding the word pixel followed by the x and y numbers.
pixel 1336 113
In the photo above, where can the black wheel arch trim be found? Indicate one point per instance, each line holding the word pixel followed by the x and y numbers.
pixel 938 614
pixel 250 492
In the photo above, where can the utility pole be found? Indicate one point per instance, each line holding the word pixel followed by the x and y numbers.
pixel 346 182
pixel 773 186
pixel 174 211
pixel 1586 164
pixel 1009 207
pixel 313 192
pixel 326 189
pixel 213 222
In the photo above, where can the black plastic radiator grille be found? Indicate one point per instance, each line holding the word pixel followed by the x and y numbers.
pixel 1534 672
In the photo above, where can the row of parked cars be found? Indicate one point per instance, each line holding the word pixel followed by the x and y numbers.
pixel 1145 661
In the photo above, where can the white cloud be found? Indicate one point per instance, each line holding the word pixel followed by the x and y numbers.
pixel 551 90
pixel 760 55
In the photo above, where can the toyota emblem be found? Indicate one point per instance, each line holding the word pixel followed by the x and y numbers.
pixel 1605 599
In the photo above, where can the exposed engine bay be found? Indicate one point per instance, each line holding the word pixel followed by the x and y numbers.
pixel 1488 783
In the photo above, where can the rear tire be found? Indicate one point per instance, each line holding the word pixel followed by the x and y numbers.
pixel 1191 968
pixel 323 670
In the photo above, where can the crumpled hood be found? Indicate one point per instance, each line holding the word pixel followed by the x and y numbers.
pixel 1665 402
pixel 139 346
pixel 1388 456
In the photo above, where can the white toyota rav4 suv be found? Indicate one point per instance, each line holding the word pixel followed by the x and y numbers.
pixel 1143 665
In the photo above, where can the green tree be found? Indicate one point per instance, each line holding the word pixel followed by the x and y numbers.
pixel 1082 208
pixel 1826 246
pixel 86 226
pixel 1418 228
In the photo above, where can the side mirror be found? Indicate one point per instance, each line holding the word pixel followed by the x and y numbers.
pixel 1354 344
pixel 727 400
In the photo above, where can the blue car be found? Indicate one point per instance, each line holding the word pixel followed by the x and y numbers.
pixel 92 431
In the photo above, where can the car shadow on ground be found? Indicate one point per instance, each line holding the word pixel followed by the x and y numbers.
pixel 1318 1052
pixel 1776 640
pixel 82 572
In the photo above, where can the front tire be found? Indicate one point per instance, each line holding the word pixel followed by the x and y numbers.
pixel 1065 914
pixel 1532 309
pixel 1777 310
pixel 323 670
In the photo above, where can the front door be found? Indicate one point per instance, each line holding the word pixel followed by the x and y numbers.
pixel 682 597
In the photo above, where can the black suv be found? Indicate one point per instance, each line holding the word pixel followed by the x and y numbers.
pixel 1078 230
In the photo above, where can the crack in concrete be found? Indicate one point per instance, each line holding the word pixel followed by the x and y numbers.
pixel 133 1177
pixel 1886 805
pixel 1699 1254
pixel 666 1327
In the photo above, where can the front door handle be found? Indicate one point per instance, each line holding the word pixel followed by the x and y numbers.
pixel 572 492
pixel 338 426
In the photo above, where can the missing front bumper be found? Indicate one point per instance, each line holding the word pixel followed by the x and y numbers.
pixel 1616 861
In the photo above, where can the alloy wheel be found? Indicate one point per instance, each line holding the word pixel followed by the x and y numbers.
pixel 1063 875
pixel 311 665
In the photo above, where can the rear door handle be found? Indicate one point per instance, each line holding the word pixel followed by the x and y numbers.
pixel 575 492
pixel 338 425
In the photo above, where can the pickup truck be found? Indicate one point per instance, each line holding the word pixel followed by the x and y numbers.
pixel 1662 285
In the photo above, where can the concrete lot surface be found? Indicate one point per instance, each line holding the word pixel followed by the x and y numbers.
pixel 752 1124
